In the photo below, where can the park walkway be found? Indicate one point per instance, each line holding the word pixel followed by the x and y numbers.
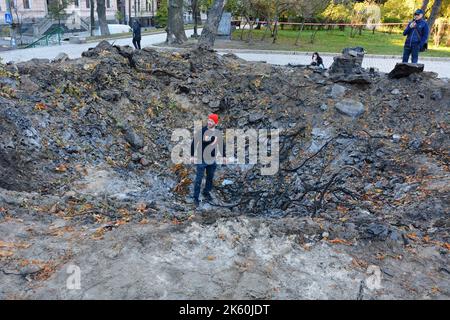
pixel 383 63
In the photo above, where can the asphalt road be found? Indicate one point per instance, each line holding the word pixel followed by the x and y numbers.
pixel 383 63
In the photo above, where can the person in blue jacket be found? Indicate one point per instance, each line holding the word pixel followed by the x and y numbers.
pixel 417 36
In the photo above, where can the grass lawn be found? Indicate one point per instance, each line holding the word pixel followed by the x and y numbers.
pixel 331 41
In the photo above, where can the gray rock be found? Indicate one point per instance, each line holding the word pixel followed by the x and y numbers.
pixel 214 104
pixel 205 100
pixel 227 182
pixel 402 189
pixel 396 138
pixel 356 78
pixel 134 139
pixel 368 187
pixel 377 231
pixel 110 95
pixel 324 107
pixel 395 92
pixel 402 70
pixel 136 156
pixel 415 144
pixel 393 104
pixel 337 91
pixel 61 57
pixel 436 95
pixel 350 107
pixel 253 117
pixel 349 62
pixel 319 137
pixel 145 162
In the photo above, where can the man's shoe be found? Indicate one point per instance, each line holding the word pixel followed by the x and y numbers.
pixel 207 196
pixel 196 202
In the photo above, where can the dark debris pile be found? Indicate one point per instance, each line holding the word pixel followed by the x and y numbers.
pixel 369 157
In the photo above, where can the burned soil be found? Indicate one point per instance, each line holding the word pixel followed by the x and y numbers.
pixel 86 178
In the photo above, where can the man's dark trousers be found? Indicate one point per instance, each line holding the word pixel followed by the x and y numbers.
pixel 412 50
pixel 201 168
pixel 137 43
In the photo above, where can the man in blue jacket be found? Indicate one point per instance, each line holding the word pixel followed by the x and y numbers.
pixel 417 36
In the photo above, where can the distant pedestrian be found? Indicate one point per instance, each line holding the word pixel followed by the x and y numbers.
pixel 417 33
pixel 136 34
pixel 317 60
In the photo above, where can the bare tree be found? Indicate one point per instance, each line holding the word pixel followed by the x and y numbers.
pixel 57 9
pixel 16 28
pixel 175 24
pixel 307 9
pixel 209 31
pixel 101 13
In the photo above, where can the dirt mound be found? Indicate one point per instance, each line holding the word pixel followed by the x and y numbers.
pixel 342 147
pixel 90 140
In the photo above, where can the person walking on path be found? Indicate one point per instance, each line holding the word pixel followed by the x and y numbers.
pixel 136 34
pixel 416 34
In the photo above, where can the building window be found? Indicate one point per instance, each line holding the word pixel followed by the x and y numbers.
pixel 77 3
pixel 88 3
pixel 26 4
pixel 108 3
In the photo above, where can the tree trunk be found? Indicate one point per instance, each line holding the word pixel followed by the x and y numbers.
pixel 434 13
pixel 250 33
pixel 275 31
pixel 267 29
pixel 175 25
pixel 194 6
pixel 101 13
pixel 242 30
pixel 424 5
pixel 299 32
pixel 92 5
pixel 209 31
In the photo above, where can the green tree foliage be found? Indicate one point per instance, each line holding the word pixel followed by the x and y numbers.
pixel 399 10
pixel 338 12
pixel 162 14
pixel 57 9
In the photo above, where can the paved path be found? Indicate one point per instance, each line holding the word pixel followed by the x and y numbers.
pixel 384 63
pixel 75 50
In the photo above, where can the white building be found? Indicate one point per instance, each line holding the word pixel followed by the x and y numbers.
pixel 33 11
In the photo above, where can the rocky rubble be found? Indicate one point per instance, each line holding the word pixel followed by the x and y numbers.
pixel 88 141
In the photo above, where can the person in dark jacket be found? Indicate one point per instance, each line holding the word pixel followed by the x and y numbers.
pixel 317 60
pixel 416 34
pixel 208 165
pixel 136 34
